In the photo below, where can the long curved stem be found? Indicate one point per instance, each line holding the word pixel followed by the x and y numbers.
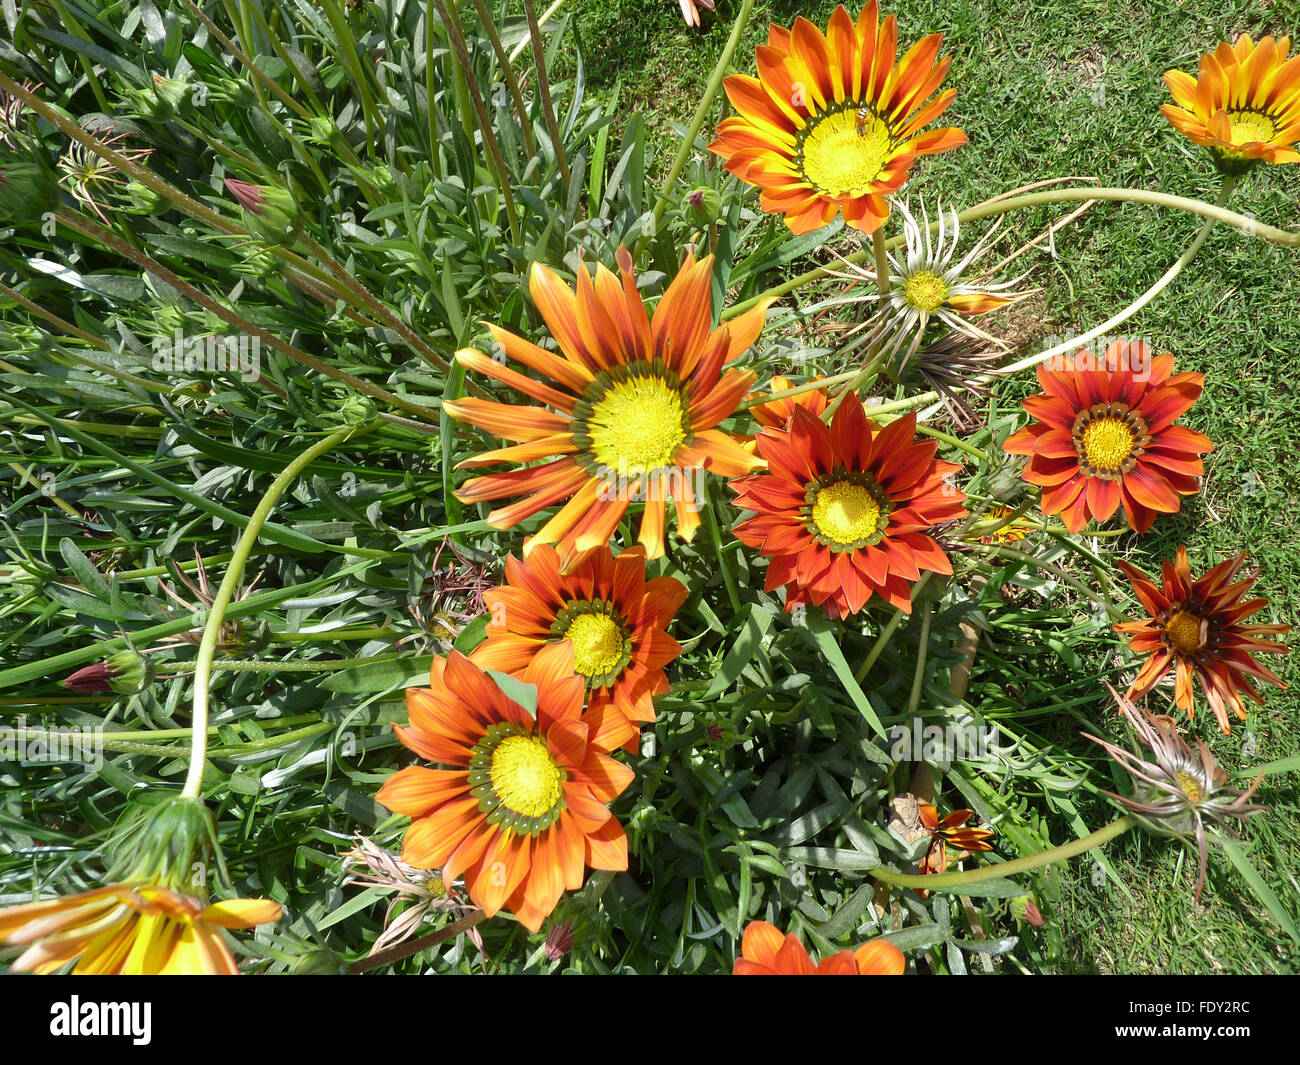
pixel 1074 343
pixel 956 881
pixel 217 614
pixel 996 206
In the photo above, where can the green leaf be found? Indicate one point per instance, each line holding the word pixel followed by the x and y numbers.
pixel 819 629
pixel 1237 855
pixel 754 622
pixel 516 690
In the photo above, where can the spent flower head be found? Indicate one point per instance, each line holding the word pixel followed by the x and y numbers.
pixel 1182 793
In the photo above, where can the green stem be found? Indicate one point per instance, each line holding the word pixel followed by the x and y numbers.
pixel 918 677
pixel 544 95
pixel 996 206
pixel 882 262
pixel 508 72
pixel 1074 343
pixel 217 613
pixel 697 122
pixel 956 881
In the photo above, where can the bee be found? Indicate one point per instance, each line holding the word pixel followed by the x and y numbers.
pixel 864 114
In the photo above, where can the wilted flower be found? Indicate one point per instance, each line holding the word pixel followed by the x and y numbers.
pixel 559 940
pixel 926 285
pixel 370 865
pixel 1183 790
pixel 691 12
pixel 952 829
pixel 88 174
pixel 10 108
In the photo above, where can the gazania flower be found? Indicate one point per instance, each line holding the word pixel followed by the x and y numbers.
pixel 842 510
pixel 613 617
pixel 631 412
pixel 764 951
pixel 831 124
pixel 1195 628
pixel 777 413
pixel 1104 435
pixel 926 285
pixel 1244 106
pixel 129 930
pixel 951 830
pixel 1009 530
pixel 1183 790
pixel 522 811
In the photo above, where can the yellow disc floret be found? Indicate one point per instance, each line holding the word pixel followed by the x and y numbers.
pixel 525 777
pixel 1107 443
pixel 638 425
pixel 925 290
pixel 1251 127
pixel 1190 786
pixel 1183 631
pixel 597 644
pixel 846 513
pixel 845 152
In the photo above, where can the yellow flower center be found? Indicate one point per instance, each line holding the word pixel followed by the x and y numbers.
pixel 637 425
pixel 846 513
pixel 844 153
pixel 1190 786
pixel 597 644
pixel 1107 442
pixel 925 290
pixel 1250 126
pixel 1183 631
pixel 525 776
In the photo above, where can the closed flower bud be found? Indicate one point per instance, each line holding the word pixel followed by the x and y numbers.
pixel 703 207
pixel 127 673
pixel 270 213
pixel 1023 908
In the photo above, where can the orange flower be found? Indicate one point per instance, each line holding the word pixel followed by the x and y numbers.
pixel 950 830
pixel 1104 435
pixel 1244 106
pixel 842 510
pixel 1010 532
pixel 777 413
pixel 522 812
pixel 765 952
pixel 129 930
pixel 605 608
pixel 831 124
pixel 631 412
pixel 1195 628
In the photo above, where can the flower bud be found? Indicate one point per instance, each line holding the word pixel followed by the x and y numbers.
pixel 270 213
pixel 127 673
pixel 703 207
pixel 1023 908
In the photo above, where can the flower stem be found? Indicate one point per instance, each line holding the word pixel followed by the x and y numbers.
pixel 882 262
pixel 1074 343
pixel 405 950
pixel 544 95
pixel 697 122
pixel 217 614
pixel 956 881
pixel 995 206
